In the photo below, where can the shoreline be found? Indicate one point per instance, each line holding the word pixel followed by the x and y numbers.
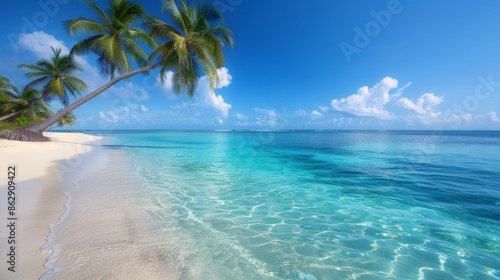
pixel 107 230
pixel 44 175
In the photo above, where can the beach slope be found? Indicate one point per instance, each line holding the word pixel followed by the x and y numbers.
pixel 38 171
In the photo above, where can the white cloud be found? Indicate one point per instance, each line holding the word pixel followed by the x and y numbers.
pixel 218 103
pixel 368 102
pixel 241 117
pixel 270 113
pixel 301 113
pixel 424 109
pixel 313 115
pixel 493 117
pixel 324 108
pixel 39 43
pixel 400 90
pixel 424 104
pixel 266 117
pixel 143 109
pixel 467 117
pixel 210 97
pixel 224 77
pixel 341 121
pixel 316 115
pixel 109 117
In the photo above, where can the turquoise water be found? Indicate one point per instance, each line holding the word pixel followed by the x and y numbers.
pixel 323 205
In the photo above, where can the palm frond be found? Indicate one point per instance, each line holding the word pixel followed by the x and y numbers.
pixel 84 26
pixel 173 11
pixel 105 67
pixel 100 13
pixel 36 82
pixel 138 34
pixel 113 36
pixel 85 45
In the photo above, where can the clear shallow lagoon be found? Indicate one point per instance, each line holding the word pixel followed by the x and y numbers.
pixel 322 205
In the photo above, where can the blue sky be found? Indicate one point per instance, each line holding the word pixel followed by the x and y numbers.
pixel 377 64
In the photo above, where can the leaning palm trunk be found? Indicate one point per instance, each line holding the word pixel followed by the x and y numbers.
pixel 43 125
pixel 33 133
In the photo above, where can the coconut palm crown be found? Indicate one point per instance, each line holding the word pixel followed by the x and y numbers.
pixel 192 43
pixel 56 76
pixel 39 110
pixel 112 36
pixel 7 90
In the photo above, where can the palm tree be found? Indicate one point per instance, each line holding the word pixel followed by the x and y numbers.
pixel 195 44
pixel 6 89
pixel 113 39
pixel 4 82
pixel 36 112
pixel 191 44
pixel 56 76
pixel 39 110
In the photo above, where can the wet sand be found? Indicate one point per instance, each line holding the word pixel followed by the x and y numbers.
pixel 43 175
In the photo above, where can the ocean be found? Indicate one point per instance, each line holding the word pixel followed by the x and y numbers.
pixel 290 205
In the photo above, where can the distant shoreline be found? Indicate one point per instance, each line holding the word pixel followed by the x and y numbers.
pixel 95 131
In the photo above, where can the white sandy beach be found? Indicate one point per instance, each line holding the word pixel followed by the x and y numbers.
pixel 39 195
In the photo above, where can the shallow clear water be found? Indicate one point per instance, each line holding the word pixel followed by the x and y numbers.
pixel 323 205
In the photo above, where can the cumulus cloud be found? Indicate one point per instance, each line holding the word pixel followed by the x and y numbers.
pixel 424 109
pixel 324 108
pixel 316 115
pixel 143 109
pixel 224 77
pixel 270 113
pixel 109 117
pixel 423 105
pixel 39 43
pixel 400 90
pixel 217 101
pixel 266 117
pixel 301 113
pixel 467 117
pixel 313 115
pixel 368 102
pixel 241 117
pixel 493 117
